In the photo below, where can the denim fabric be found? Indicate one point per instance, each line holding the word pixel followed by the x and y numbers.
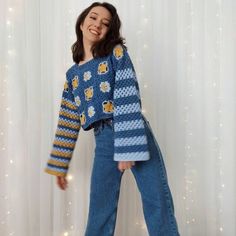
pixel 151 179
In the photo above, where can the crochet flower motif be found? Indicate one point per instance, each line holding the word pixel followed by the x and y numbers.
pixel 66 87
pixel 91 111
pixel 103 68
pixel 88 92
pixel 105 86
pixel 77 100
pixel 108 106
pixel 87 75
pixel 118 52
pixel 75 82
pixel 82 118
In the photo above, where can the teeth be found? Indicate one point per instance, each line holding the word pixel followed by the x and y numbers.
pixel 94 32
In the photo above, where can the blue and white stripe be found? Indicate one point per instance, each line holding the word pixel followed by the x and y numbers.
pixel 136 140
pixel 125 92
pixel 124 74
pixel 126 109
pixel 61 159
pixel 127 115
pixel 131 156
pixel 128 125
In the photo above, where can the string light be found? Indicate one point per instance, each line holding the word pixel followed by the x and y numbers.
pixel 70 177
pixel 10 53
pixel 189 151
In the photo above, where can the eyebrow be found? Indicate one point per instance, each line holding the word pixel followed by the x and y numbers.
pixel 97 14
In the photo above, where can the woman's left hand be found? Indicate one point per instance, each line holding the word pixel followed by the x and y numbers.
pixel 123 165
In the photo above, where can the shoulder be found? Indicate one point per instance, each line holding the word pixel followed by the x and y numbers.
pixel 71 71
pixel 119 51
pixel 121 58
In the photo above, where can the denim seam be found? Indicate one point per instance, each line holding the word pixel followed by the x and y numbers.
pixel 164 180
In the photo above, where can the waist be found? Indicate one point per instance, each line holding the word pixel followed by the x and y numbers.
pixel 108 121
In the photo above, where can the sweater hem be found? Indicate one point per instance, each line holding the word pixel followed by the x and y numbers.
pixel 56 173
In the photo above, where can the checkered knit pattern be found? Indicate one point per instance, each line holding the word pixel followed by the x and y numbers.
pixel 66 135
pixel 103 88
pixel 130 141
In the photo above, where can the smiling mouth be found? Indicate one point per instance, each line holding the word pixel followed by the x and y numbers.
pixel 94 32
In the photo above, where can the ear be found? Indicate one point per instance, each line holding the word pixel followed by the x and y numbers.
pixel 81 26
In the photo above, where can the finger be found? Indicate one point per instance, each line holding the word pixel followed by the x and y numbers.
pixel 59 181
pixel 64 182
pixel 120 167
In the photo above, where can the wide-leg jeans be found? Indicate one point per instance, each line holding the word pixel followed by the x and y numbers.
pixel 152 182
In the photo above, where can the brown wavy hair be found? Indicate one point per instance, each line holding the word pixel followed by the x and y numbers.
pixel 105 46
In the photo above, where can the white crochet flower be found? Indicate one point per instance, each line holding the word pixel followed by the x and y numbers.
pixel 105 86
pixel 87 75
pixel 91 111
pixel 77 100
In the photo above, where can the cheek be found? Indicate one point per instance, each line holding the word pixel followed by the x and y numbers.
pixel 104 32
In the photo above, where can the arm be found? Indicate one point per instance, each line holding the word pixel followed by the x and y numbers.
pixel 129 131
pixel 66 134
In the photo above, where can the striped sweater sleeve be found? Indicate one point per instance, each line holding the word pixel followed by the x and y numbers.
pixel 130 140
pixel 67 131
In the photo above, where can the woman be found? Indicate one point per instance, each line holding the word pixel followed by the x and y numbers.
pixel 101 92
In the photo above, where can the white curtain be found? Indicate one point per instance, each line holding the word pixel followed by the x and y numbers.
pixel 184 54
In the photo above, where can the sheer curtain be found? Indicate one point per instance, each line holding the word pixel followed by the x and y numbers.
pixel 184 54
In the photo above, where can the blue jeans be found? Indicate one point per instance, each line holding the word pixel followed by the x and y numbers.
pixel 151 179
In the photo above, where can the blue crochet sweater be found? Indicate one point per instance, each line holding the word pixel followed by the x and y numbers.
pixel 101 88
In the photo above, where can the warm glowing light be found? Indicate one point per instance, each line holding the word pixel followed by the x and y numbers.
pixel 69 177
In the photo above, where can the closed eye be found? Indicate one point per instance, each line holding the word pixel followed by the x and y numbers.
pixel 106 24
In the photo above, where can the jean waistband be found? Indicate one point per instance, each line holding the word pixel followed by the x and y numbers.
pixel 108 121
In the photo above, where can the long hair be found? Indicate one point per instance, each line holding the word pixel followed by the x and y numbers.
pixel 104 46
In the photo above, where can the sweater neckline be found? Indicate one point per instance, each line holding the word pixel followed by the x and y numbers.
pixel 85 63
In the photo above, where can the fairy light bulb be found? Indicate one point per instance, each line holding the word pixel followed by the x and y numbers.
pixel 70 177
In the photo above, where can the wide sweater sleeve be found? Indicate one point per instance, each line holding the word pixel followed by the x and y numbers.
pixel 130 140
pixel 67 131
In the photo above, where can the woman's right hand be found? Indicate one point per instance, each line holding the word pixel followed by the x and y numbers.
pixel 62 182
pixel 124 165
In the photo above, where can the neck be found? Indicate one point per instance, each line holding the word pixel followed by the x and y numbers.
pixel 87 51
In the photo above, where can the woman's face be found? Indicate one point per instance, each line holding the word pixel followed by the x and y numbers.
pixel 95 25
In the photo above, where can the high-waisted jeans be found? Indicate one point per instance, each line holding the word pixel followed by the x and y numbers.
pixel 151 179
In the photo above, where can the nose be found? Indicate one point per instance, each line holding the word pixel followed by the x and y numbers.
pixel 97 24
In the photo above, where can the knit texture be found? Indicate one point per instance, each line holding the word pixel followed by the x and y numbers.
pixel 101 88
pixel 66 134
pixel 130 141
